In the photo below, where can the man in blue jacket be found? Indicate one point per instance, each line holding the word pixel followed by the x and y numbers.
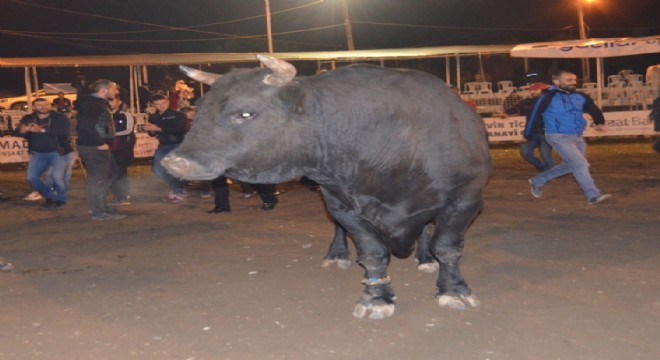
pixel 561 110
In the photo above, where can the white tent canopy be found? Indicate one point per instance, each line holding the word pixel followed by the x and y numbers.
pixel 590 48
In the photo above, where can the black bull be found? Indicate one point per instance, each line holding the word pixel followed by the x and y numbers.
pixel 393 150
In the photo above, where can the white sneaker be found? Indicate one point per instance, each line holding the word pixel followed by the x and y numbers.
pixel 33 196
pixel 175 198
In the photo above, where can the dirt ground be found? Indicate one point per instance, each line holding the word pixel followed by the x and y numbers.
pixel 557 279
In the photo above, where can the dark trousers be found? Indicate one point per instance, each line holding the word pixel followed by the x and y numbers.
pixel 101 173
pixel 123 158
pixel 221 189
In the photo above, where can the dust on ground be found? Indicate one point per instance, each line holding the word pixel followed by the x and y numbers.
pixel 557 279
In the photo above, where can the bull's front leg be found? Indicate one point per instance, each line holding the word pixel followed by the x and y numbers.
pixel 377 300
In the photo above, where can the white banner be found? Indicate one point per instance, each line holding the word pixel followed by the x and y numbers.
pixel 589 48
pixel 15 149
pixel 623 123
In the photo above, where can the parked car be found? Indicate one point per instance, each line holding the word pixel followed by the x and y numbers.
pixel 20 102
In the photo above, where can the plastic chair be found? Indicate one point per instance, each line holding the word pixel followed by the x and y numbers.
pixel 624 73
pixel 590 86
pixel 505 86
pixel 634 77
pixel 614 78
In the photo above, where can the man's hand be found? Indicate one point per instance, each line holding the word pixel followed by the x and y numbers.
pixel 152 127
pixel 103 147
pixel 600 127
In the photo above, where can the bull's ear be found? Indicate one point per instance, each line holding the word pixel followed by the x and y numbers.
pixel 294 98
pixel 283 72
pixel 199 75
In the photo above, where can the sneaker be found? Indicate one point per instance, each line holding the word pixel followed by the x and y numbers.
pixel 537 191
pixel 204 194
pixel 175 198
pixel 33 196
pixel 119 202
pixel 108 216
pixel 49 204
pixel 599 198
pixel 268 206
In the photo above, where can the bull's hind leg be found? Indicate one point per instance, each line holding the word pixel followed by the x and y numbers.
pixel 338 252
pixel 377 299
pixel 447 245
pixel 425 260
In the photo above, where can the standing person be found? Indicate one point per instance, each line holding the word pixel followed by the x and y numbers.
pixel 169 126
pixel 204 185
pixel 122 148
pixel 655 117
pixel 95 129
pixel 221 189
pixel 561 109
pixel 535 137
pixel 62 104
pixel 43 129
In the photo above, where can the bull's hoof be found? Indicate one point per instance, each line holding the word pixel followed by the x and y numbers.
pixel 430 267
pixel 458 302
pixel 375 311
pixel 342 264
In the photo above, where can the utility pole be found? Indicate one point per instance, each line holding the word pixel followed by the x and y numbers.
pixel 347 26
pixel 583 35
pixel 269 31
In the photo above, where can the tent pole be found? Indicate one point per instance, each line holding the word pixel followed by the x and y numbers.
pixel 599 80
pixel 145 75
pixel 458 72
pixel 131 86
pixel 526 64
pixel 201 86
pixel 448 69
pixel 35 79
pixel 28 88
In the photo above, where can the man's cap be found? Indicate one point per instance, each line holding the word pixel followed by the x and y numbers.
pixel 539 86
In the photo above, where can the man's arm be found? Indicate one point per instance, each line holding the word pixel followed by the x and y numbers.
pixel 593 110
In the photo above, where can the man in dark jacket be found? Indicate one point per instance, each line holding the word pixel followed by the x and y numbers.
pixel 169 126
pixel 561 110
pixel 45 129
pixel 95 130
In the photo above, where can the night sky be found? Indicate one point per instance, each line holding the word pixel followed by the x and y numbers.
pixel 34 28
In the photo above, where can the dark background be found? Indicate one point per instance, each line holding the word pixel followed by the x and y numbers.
pixel 36 28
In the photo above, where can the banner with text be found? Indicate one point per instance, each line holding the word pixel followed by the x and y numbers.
pixel 624 123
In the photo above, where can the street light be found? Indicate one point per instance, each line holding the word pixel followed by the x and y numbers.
pixel 583 35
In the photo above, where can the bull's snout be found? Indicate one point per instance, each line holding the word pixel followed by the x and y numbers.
pixel 185 168
pixel 176 165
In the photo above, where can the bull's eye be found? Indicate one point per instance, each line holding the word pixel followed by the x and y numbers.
pixel 240 117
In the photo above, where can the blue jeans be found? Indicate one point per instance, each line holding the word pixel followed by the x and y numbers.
pixel 39 163
pixel 527 152
pixel 176 185
pixel 572 150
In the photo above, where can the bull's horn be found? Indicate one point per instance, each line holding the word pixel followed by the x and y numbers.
pixel 199 75
pixel 283 72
